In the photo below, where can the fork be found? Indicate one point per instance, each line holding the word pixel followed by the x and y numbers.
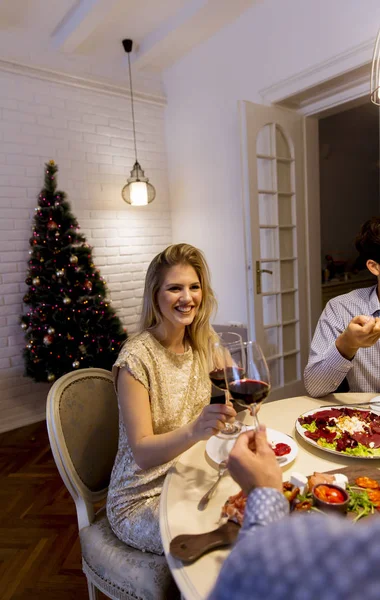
pixel 205 499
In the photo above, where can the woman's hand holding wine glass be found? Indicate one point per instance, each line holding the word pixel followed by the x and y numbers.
pixel 213 419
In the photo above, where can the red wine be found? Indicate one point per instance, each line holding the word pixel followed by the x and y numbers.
pixel 218 379
pixel 248 391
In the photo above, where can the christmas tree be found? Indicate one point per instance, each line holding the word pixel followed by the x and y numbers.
pixel 69 322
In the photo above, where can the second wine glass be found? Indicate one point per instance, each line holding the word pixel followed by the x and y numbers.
pixel 219 369
pixel 248 378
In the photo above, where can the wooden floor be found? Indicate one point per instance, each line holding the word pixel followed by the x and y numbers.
pixel 39 547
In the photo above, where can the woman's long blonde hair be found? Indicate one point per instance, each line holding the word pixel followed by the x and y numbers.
pixel 200 332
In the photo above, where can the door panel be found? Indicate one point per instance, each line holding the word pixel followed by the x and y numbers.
pixel 274 200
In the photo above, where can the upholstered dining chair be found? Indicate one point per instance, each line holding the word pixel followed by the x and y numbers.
pixel 82 423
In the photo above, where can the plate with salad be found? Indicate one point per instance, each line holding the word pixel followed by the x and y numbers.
pixel 342 430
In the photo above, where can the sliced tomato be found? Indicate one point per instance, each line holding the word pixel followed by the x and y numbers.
pixel 374 496
pixel 367 482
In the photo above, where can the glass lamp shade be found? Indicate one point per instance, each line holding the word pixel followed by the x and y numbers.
pixel 375 73
pixel 138 191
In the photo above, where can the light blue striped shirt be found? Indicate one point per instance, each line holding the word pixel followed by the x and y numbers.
pixel 327 368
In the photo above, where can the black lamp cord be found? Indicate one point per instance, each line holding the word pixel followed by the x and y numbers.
pixel 133 112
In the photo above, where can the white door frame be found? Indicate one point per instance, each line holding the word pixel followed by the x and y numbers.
pixel 325 85
pixel 319 92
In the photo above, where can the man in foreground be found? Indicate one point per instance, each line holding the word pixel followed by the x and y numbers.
pixel 299 557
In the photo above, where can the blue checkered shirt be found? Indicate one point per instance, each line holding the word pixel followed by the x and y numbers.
pixel 327 368
pixel 300 557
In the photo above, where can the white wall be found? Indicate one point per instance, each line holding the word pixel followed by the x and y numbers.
pixel 89 135
pixel 273 40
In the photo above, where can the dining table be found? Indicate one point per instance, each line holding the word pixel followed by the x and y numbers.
pixel 194 473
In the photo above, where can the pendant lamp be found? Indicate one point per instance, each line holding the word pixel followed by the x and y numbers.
pixel 375 73
pixel 138 191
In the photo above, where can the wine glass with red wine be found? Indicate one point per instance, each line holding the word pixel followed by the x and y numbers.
pixel 248 379
pixel 220 367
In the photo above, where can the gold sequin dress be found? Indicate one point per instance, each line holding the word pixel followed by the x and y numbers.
pixel 178 390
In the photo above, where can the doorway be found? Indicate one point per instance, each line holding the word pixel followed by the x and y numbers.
pixel 322 90
pixel 327 96
pixel 349 193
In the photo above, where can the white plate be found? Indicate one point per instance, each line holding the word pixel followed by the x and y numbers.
pixel 301 431
pixel 218 448
pixel 375 405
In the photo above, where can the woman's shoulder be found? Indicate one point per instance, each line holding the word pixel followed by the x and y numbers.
pixel 135 356
pixel 136 345
pixel 138 340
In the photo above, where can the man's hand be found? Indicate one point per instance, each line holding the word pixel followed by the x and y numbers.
pixel 252 462
pixel 362 332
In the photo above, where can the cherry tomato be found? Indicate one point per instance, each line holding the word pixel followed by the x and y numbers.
pixel 329 494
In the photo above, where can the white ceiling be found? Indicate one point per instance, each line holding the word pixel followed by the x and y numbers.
pixel 83 37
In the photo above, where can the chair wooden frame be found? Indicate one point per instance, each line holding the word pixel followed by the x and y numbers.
pixel 83 497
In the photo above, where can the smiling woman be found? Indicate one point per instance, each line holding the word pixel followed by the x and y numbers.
pixel 161 378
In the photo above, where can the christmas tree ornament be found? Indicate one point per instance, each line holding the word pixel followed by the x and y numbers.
pixel 66 300
pixel 82 348
pixel 51 330
pixel 26 298
pixel 30 252
pixel 76 364
pixel 69 337
pixel 29 346
pixel 50 377
pixel 88 285
pixel 52 225
pixel 28 281
pixel 36 281
pixel 73 259
pixel 42 259
pixel 60 272
pixel 57 234
pixel 48 339
pixel 24 326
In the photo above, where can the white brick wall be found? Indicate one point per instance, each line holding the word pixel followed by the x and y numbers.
pixel 89 135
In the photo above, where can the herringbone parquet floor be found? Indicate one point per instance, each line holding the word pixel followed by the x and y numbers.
pixel 40 554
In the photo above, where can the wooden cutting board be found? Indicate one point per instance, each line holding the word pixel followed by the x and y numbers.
pixel 358 471
pixel 190 547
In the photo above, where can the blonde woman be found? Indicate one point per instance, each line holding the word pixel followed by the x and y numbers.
pixel 161 378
